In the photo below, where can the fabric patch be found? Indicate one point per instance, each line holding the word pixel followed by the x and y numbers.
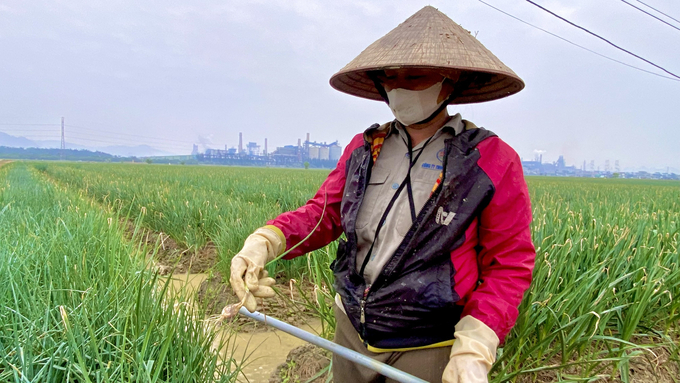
pixel 440 155
pixel 432 166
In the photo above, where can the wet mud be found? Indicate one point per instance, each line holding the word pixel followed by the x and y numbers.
pixel 263 349
pixel 306 363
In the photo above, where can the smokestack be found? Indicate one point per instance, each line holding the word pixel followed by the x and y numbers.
pixel 299 151
pixel 240 143
pixel 307 137
pixel 265 146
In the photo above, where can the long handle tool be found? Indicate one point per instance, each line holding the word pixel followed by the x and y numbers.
pixel 344 352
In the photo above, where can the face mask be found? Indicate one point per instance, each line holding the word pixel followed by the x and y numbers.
pixel 413 106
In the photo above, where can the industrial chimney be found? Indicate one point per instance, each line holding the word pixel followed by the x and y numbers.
pixel 240 143
pixel 265 146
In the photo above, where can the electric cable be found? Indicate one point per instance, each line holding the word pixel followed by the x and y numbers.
pixel 647 13
pixel 577 45
pixel 30 133
pixel 126 134
pixel 647 5
pixel 603 39
pixel 78 137
pixel 23 130
pixel 8 124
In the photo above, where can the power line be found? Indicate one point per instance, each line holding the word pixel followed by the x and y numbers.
pixel 649 6
pixel 8 124
pixel 82 134
pixel 80 138
pixel 647 13
pixel 110 136
pixel 126 134
pixel 603 39
pixel 577 45
pixel 109 141
pixel 28 131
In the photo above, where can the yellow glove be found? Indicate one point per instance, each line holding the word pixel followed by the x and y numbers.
pixel 247 267
pixel 473 352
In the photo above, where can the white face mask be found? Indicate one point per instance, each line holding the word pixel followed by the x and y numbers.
pixel 413 106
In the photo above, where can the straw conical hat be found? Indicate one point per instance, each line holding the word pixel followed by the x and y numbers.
pixel 430 40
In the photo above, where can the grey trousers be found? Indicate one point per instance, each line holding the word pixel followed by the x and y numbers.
pixel 427 364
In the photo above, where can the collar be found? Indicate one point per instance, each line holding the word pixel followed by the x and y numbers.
pixel 453 126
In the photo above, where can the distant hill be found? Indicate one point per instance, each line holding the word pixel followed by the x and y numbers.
pixel 115 150
pixel 16 142
pixel 58 154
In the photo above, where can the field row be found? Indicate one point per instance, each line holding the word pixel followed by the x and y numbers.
pixel 78 303
pixel 605 284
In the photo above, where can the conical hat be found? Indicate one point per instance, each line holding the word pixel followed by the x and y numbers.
pixel 430 40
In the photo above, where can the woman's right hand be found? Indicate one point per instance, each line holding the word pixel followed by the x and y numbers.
pixel 248 278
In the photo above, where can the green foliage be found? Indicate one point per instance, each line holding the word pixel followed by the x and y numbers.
pixel 605 281
pixel 42 167
pixel 78 303
pixel 199 204
pixel 306 164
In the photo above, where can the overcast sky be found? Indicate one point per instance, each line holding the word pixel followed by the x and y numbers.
pixel 165 73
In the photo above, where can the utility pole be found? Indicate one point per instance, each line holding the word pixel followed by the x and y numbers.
pixel 63 140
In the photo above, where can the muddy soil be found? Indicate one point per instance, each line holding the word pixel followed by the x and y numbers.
pixel 286 305
pixel 173 257
pixel 302 364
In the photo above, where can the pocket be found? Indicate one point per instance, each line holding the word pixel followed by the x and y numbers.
pixel 373 191
pixel 438 292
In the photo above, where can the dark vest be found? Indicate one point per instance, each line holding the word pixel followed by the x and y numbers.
pixel 412 302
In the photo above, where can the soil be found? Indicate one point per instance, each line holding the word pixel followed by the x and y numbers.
pixel 654 365
pixel 285 306
pixel 4 162
pixel 172 257
pixel 302 364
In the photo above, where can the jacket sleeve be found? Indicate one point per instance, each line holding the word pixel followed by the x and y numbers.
pixel 297 224
pixel 506 256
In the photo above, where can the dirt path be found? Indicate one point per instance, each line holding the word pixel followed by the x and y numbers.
pixel 4 162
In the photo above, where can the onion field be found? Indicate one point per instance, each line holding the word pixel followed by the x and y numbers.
pixel 79 301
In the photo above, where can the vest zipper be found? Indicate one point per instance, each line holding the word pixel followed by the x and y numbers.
pixel 362 319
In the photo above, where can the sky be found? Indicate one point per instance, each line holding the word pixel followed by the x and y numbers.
pixel 173 73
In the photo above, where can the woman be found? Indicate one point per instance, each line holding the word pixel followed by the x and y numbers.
pixel 435 211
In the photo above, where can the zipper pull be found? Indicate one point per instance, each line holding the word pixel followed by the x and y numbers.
pixel 363 313
pixel 363 304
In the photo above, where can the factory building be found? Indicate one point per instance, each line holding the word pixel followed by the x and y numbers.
pixel 314 154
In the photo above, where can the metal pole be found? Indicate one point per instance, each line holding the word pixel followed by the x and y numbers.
pixel 63 140
pixel 344 352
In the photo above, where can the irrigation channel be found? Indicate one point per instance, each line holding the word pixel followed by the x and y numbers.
pixel 262 351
